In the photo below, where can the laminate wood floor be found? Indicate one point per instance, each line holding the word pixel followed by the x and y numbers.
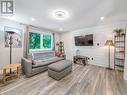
pixel 84 80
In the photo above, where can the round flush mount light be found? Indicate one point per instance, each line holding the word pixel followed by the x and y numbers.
pixel 32 19
pixel 60 14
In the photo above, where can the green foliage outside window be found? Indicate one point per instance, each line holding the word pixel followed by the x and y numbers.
pixel 46 41
pixel 34 40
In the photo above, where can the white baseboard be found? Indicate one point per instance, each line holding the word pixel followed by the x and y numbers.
pixel 101 65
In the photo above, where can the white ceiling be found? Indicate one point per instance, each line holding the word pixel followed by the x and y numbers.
pixel 83 13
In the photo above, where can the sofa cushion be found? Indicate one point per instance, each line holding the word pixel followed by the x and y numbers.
pixel 59 58
pixel 38 61
pixel 41 64
pixel 43 55
pixel 60 66
pixel 52 59
pixel 55 59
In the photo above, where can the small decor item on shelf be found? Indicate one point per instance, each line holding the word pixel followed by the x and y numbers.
pixel 119 32
pixel 77 52
pixel 57 53
pixel 60 51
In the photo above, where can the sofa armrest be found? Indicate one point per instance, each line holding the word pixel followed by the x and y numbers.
pixel 26 66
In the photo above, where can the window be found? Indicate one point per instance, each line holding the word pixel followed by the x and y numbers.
pixel 34 40
pixel 40 41
pixel 46 41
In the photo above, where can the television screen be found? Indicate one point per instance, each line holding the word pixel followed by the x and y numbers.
pixel 86 40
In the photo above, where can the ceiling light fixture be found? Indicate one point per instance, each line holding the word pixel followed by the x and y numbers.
pixel 102 18
pixel 32 19
pixel 60 14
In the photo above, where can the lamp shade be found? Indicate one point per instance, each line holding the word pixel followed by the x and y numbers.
pixel 10 32
pixel 109 43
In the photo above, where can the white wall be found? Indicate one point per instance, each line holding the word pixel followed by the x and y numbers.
pixel 98 53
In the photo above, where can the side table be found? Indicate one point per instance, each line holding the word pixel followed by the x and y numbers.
pixel 10 66
pixel 80 59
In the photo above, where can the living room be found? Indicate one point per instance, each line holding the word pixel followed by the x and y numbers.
pixel 63 47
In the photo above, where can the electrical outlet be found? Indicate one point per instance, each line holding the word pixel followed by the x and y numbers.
pixel 91 58
pixel 98 44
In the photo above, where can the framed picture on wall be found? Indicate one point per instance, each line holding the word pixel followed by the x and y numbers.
pixel 16 39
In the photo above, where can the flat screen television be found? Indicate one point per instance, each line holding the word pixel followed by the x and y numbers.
pixel 86 40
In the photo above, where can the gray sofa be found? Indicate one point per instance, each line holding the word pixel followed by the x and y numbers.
pixel 38 62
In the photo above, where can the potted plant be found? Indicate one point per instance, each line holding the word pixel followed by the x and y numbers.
pixel 119 32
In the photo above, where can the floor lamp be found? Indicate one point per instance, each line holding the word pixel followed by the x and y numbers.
pixel 109 43
pixel 11 33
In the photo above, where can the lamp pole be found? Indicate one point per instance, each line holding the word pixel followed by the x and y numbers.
pixel 109 43
pixel 11 34
pixel 10 50
pixel 109 57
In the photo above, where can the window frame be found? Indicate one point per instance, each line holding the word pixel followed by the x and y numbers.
pixel 41 42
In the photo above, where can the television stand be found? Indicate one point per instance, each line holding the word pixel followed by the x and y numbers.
pixel 80 59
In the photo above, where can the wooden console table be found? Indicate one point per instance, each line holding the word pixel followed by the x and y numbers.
pixel 10 66
pixel 80 59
